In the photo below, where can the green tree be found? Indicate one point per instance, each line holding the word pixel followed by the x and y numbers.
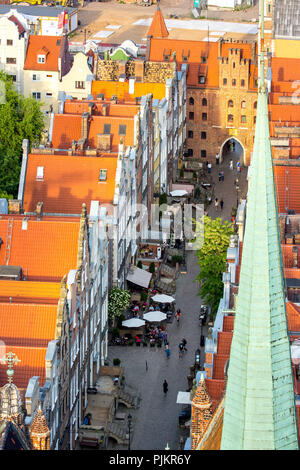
pixel 118 301
pixel 20 118
pixel 212 259
pixel 152 267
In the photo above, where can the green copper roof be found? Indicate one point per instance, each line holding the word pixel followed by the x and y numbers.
pixel 259 404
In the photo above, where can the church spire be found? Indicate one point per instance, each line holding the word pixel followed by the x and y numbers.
pixel 259 408
pixel 158 27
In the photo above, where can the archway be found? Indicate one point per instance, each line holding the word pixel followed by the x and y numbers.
pixel 232 149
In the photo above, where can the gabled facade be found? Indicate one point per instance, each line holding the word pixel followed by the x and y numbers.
pixel 77 83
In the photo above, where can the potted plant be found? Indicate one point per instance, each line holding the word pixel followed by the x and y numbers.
pixel 140 264
pixel 116 361
pixel 144 296
pixel 176 259
pixel 159 343
pixel 130 342
pixel 152 268
pixel 115 333
pixel 152 345
pixel 145 343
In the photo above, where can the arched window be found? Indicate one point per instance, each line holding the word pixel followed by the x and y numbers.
pixel 230 117
pixel 191 101
pixel 255 105
pixel 243 104
pixel 204 102
pixel 230 104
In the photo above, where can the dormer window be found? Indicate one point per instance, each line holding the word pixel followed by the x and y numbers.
pixel 201 79
pixel 40 173
pixel 41 59
pixel 102 175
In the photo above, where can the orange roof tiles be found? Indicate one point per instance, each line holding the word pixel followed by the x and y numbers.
pixel 287 256
pixel 158 27
pixel 293 316
pixel 45 250
pixel 224 342
pixel 121 90
pixel 228 323
pixel 26 291
pixel 219 365
pixel 292 273
pixel 113 109
pixel 32 363
pixel 27 324
pixel 37 45
pixel 67 127
pixel 69 181
pixel 287 188
pixel 215 388
pixel 285 70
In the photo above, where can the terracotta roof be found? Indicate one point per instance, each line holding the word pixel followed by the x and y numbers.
pixel 224 342
pixel 293 316
pixel 32 363
pixel 284 70
pixel 228 323
pixel 27 324
pixel 219 365
pixel 287 188
pixel 27 292
pixel 20 27
pixel 53 44
pixel 69 181
pixel 201 396
pixel 245 49
pixel 67 127
pixel 158 27
pixel 118 109
pixel 215 388
pixel 291 273
pixel 287 256
pixel 121 90
pixel 46 250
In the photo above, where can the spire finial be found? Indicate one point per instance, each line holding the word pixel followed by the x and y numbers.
pixel 10 359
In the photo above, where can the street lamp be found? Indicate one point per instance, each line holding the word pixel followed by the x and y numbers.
pixel 197 358
pixel 129 421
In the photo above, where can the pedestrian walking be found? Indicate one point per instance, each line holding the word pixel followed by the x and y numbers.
pixel 217 159
pixel 238 167
pixel 165 337
pixel 209 168
pixel 167 350
pixel 231 165
pixel 165 387
pixel 220 175
pixel 221 204
pixel 216 204
pixel 178 315
pixel 184 343
pixel 181 349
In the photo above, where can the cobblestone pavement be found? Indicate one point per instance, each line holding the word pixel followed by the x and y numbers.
pixel 155 423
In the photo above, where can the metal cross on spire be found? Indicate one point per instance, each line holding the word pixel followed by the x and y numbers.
pixel 10 359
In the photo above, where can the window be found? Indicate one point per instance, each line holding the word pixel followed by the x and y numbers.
pixel 190 134
pixel 190 152
pixel 204 102
pixel 40 173
pixel 36 77
pixel 255 105
pixel 230 104
pixel 36 95
pixel 224 81
pixel 122 129
pixel 203 153
pixel 106 129
pixel 243 119
pixel 203 60
pixel 230 118
pixel 14 77
pixel 243 104
pixel 203 135
pixel 201 79
pixel 48 95
pixel 102 175
pixel 234 82
pixel 191 101
pixel 79 85
pixel 254 120
pixel 9 42
pixel 11 60
pixel 233 65
pixel 191 116
pixel 41 59
pixel 242 82
pixel 204 116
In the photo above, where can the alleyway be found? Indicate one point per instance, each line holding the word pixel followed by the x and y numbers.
pixel 155 423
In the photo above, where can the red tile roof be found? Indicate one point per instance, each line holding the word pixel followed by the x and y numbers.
pixel 28 292
pixel 37 45
pixel 121 90
pixel 215 389
pixel 219 365
pixel 293 316
pixel 287 256
pixel 27 324
pixel 224 342
pixel 46 250
pixel 69 181
pixel 113 109
pixel 32 363
pixel 158 27
pixel 287 188
pixel 228 323
pixel 20 27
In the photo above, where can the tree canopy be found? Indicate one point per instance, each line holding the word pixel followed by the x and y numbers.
pixel 119 300
pixel 212 259
pixel 20 118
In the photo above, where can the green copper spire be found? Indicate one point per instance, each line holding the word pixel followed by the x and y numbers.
pixel 259 410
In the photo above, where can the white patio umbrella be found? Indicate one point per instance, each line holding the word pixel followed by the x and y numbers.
pixel 179 192
pixel 163 298
pixel 133 323
pixel 155 316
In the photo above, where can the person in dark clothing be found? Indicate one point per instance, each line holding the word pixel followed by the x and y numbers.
pixel 221 204
pixel 165 386
pixel 184 342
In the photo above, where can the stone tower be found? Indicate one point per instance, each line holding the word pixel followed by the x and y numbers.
pixel 201 412
pixel 39 431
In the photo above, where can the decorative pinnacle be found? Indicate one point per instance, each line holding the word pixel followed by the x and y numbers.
pixel 10 359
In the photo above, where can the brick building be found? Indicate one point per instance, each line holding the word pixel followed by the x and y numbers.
pixel 221 90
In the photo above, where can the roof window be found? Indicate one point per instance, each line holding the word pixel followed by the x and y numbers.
pixel 41 59
pixel 102 175
pixel 40 173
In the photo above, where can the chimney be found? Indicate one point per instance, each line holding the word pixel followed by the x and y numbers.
pixel 139 70
pixel 14 206
pixel 104 142
pixel 39 210
pixel 73 147
pixel 105 109
pixel 84 125
pixel 295 257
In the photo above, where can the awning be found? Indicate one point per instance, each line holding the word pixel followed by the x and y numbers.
pixel 183 398
pixel 139 276
pixel 187 187
pixel 133 323
pixel 155 316
pixel 163 298
pixel 179 192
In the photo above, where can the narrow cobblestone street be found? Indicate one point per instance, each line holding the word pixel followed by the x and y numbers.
pixel 155 423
